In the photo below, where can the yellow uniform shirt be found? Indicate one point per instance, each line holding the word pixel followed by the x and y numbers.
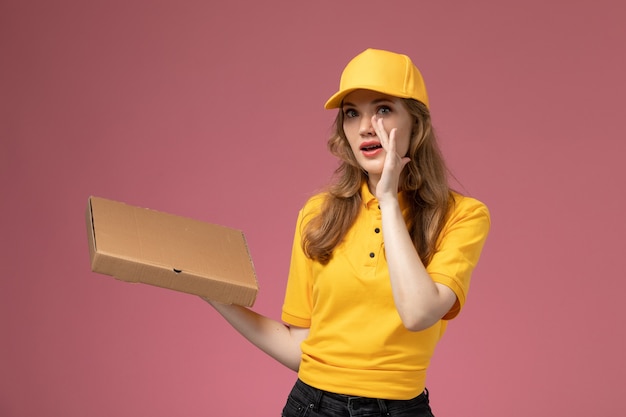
pixel 357 344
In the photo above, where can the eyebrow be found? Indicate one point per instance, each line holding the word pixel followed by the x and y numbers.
pixel 376 101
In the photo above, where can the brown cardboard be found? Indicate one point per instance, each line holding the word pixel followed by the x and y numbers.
pixel 141 245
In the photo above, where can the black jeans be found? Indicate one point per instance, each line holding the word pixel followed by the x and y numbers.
pixel 306 401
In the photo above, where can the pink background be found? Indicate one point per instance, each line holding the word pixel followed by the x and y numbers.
pixel 214 111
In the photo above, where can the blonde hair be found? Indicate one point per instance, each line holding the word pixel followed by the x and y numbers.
pixel 423 182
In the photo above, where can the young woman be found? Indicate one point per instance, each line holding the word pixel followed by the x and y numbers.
pixel 380 262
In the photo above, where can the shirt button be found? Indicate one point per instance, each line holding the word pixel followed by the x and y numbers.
pixel 372 254
pixel 377 230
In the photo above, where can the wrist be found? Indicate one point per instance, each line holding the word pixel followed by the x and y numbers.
pixel 389 203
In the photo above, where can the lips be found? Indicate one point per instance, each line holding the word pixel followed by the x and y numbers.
pixel 370 145
pixel 370 148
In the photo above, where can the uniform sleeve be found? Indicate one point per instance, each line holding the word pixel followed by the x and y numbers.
pixel 459 247
pixel 298 301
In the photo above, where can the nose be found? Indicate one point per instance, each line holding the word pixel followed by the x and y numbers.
pixel 366 128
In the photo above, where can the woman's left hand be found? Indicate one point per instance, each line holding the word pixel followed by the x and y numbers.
pixel 387 186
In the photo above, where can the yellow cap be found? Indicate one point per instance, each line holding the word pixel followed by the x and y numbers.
pixel 382 71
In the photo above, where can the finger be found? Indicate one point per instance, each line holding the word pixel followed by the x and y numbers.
pixel 392 140
pixel 379 128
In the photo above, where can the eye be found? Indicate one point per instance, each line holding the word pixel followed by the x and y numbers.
pixel 350 113
pixel 384 110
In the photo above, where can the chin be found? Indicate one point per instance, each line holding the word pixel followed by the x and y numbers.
pixel 373 168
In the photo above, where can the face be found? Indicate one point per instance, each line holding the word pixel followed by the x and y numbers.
pixel 358 109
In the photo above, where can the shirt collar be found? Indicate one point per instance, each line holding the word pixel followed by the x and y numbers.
pixel 370 201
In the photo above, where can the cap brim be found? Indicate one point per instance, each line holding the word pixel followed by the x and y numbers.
pixel 335 101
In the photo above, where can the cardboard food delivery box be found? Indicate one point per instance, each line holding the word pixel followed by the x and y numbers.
pixel 142 245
